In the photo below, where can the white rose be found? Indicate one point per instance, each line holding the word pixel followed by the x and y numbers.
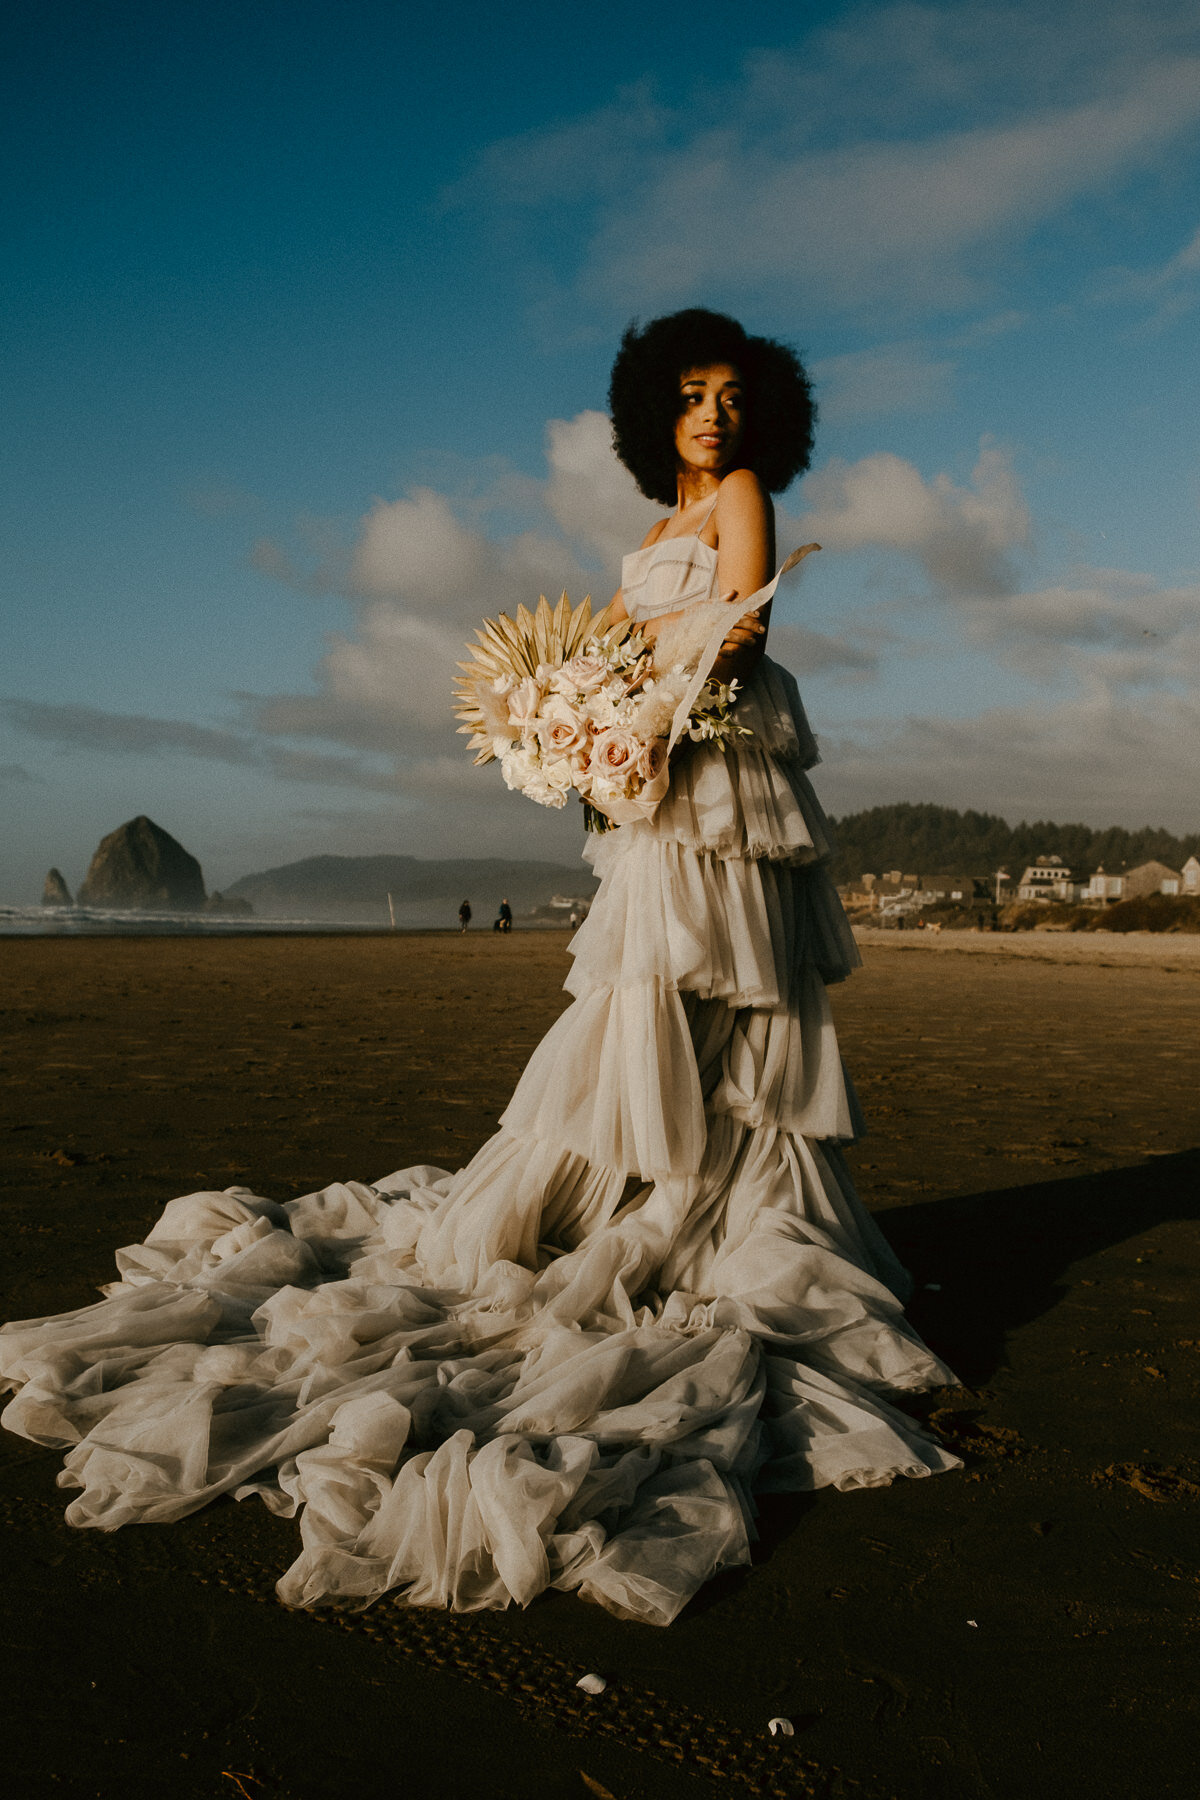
pixel 601 710
pixel 558 774
pixel 545 795
pixel 520 769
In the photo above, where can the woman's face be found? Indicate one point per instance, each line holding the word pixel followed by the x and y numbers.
pixel 712 418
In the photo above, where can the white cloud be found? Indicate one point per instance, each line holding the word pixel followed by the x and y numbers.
pixel 947 133
pixel 92 729
pixel 806 652
pixel 1096 759
pixel 963 538
pixel 888 378
pixel 422 577
pixel 1107 630
pixel 417 547
pixel 590 494
pixel 1167 289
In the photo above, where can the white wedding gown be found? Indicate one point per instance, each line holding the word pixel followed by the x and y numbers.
pixel 572 1363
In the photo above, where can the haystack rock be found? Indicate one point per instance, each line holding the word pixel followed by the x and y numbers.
pixel 56 892
pixel 141 866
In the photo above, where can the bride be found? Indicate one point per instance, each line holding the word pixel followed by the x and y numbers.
pixel 653 1293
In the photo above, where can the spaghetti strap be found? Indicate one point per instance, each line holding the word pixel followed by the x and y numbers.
pixel 708 515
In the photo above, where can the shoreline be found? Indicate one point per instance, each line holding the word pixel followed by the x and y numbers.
pixel 248 928
pixel 1096 948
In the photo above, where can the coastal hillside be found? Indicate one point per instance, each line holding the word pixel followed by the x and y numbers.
pixel 423 891
pixel 924 839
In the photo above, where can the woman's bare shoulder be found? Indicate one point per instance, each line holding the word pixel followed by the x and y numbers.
pixel 654 533
pixel 742 491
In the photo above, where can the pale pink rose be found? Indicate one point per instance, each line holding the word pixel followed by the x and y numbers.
pixel 561 730
pixel 653 759
pixel 582 675
pixel 615 754
pixel 523 703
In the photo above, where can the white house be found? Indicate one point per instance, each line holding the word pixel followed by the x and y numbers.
pixel 1103 886
pixel 1048 878
pixel 1189 876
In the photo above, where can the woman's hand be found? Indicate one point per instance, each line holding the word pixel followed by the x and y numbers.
pixel 745 634
pixel 742 648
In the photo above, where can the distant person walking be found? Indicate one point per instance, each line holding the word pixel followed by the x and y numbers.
pixel 464 915
pixel 504 919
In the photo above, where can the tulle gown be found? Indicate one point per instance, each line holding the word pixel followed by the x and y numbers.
pixel 572 1364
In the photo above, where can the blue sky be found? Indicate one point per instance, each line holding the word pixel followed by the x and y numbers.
pixel 310 314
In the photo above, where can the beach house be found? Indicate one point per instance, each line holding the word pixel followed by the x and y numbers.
pixel 1146 878
pixel 1048 878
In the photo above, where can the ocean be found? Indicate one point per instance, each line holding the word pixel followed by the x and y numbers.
pixel 84 921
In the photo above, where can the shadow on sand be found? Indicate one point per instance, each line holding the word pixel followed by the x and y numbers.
pixel 1000 1257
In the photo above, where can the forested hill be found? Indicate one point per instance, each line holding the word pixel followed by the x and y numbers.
pixel 422 889
pixel 936 840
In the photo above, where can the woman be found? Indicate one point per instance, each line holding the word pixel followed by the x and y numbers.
pixel 653 1289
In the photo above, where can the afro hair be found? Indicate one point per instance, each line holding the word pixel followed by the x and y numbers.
pixel 644 402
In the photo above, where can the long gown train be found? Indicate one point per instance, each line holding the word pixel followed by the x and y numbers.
pixel 650 1295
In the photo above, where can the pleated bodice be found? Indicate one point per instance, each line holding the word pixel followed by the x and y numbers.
pixel 668 575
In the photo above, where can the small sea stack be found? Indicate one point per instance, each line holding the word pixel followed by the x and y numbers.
pixel 141 867
pixel 55 892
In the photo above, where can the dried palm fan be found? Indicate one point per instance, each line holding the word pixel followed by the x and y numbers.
pixel 516 648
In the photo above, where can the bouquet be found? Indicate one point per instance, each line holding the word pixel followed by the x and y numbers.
pixel 570 703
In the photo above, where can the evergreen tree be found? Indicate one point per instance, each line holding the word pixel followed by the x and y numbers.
pixel 922 839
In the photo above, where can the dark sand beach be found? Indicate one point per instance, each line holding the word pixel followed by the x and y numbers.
pixel 1023 1628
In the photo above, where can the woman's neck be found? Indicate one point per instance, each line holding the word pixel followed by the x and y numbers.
pixel 695 490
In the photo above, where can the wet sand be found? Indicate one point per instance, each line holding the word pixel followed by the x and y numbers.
pixel 1024 1628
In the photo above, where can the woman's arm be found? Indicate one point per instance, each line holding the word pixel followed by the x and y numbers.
pixel 745 558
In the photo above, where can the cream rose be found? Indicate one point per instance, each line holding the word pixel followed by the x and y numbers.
pixel 582 675
pixel 653 759
pixel 561 729
pixel 615 755
pixel 523 703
